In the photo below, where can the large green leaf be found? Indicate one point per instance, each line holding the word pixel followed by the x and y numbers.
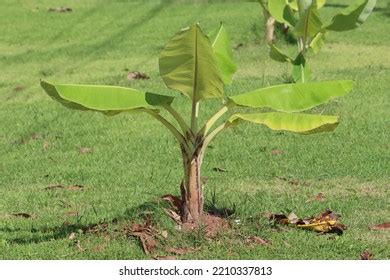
pixel 294 4
pixel 317 42
pixel 294 122
pixel 188 64
pixel 352 16
pixel 277 55
pixel 309 24
pixel 106 99
pixel 281 12
pixel 293 97
pixel 300 71
pixel 220 42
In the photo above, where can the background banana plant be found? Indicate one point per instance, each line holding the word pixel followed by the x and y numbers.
pixel 303 18
pixel 199 66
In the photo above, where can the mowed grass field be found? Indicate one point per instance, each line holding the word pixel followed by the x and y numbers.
pixel 133 160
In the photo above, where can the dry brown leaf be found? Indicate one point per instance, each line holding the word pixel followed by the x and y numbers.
pixel 78 246
pixel 173 214
pixel 326 222
pixel 366 255
pixel 96 228
pixel 46 144
pixel 257 240
pixel 278 218
pixel 219 169
pixel 85 150
pixel 19 88
pixel 294 182
pixel 164 258
pixel 60 10
pixel 99 248
pixel 277 152
pixel 69 188
pixel 22 215
pixel 135 75
pixel 179 251
pixel 384 226
pixel 164 234
pixel 292 218
pixel 71 213
pixel 148 243
pixel 72 236
pixel 174 200
pixel 317 197
pixel 145 233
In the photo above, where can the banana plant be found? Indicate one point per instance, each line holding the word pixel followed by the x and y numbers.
pixel 199 66
pixel 310 28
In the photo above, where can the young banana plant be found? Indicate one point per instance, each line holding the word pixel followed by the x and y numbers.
pixel 304 19
pixel 198 66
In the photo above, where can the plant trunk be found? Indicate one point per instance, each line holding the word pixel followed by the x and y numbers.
pixel 191 191
pixel 270 30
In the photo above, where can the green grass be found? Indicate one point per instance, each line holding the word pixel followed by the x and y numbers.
pixel 134 160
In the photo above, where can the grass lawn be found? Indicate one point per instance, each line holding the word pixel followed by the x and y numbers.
pixel 134 160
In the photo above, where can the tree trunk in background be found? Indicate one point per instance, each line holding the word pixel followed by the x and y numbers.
pixel 269 28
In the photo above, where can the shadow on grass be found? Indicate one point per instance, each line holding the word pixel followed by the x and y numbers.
pixel 154 209
pixel 95 49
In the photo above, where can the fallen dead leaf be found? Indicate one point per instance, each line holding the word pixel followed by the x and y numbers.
pixel 174 215
pixel 85 150
pixel 179 251
pixel 238 46
pixel 145 233
pixel 69 188
pixel 294 182
pixel 22 215
pixel 366 255
pixel 257 240
pixel 164 234
pixel 71 213
pixel 98 248
pixel 174 200
pixel 326 222
pixel 72 236
pixel 135 75
pixel 46 144
pixel 78 246
pixel 277 152
pixel 219 169
pixel 60 10
pixel 19 88
pixel 317 197
pixel 292 218
pixel 384 226
pixel 96 228
pixel 278 218
pixel 164 258
pixel 148 243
